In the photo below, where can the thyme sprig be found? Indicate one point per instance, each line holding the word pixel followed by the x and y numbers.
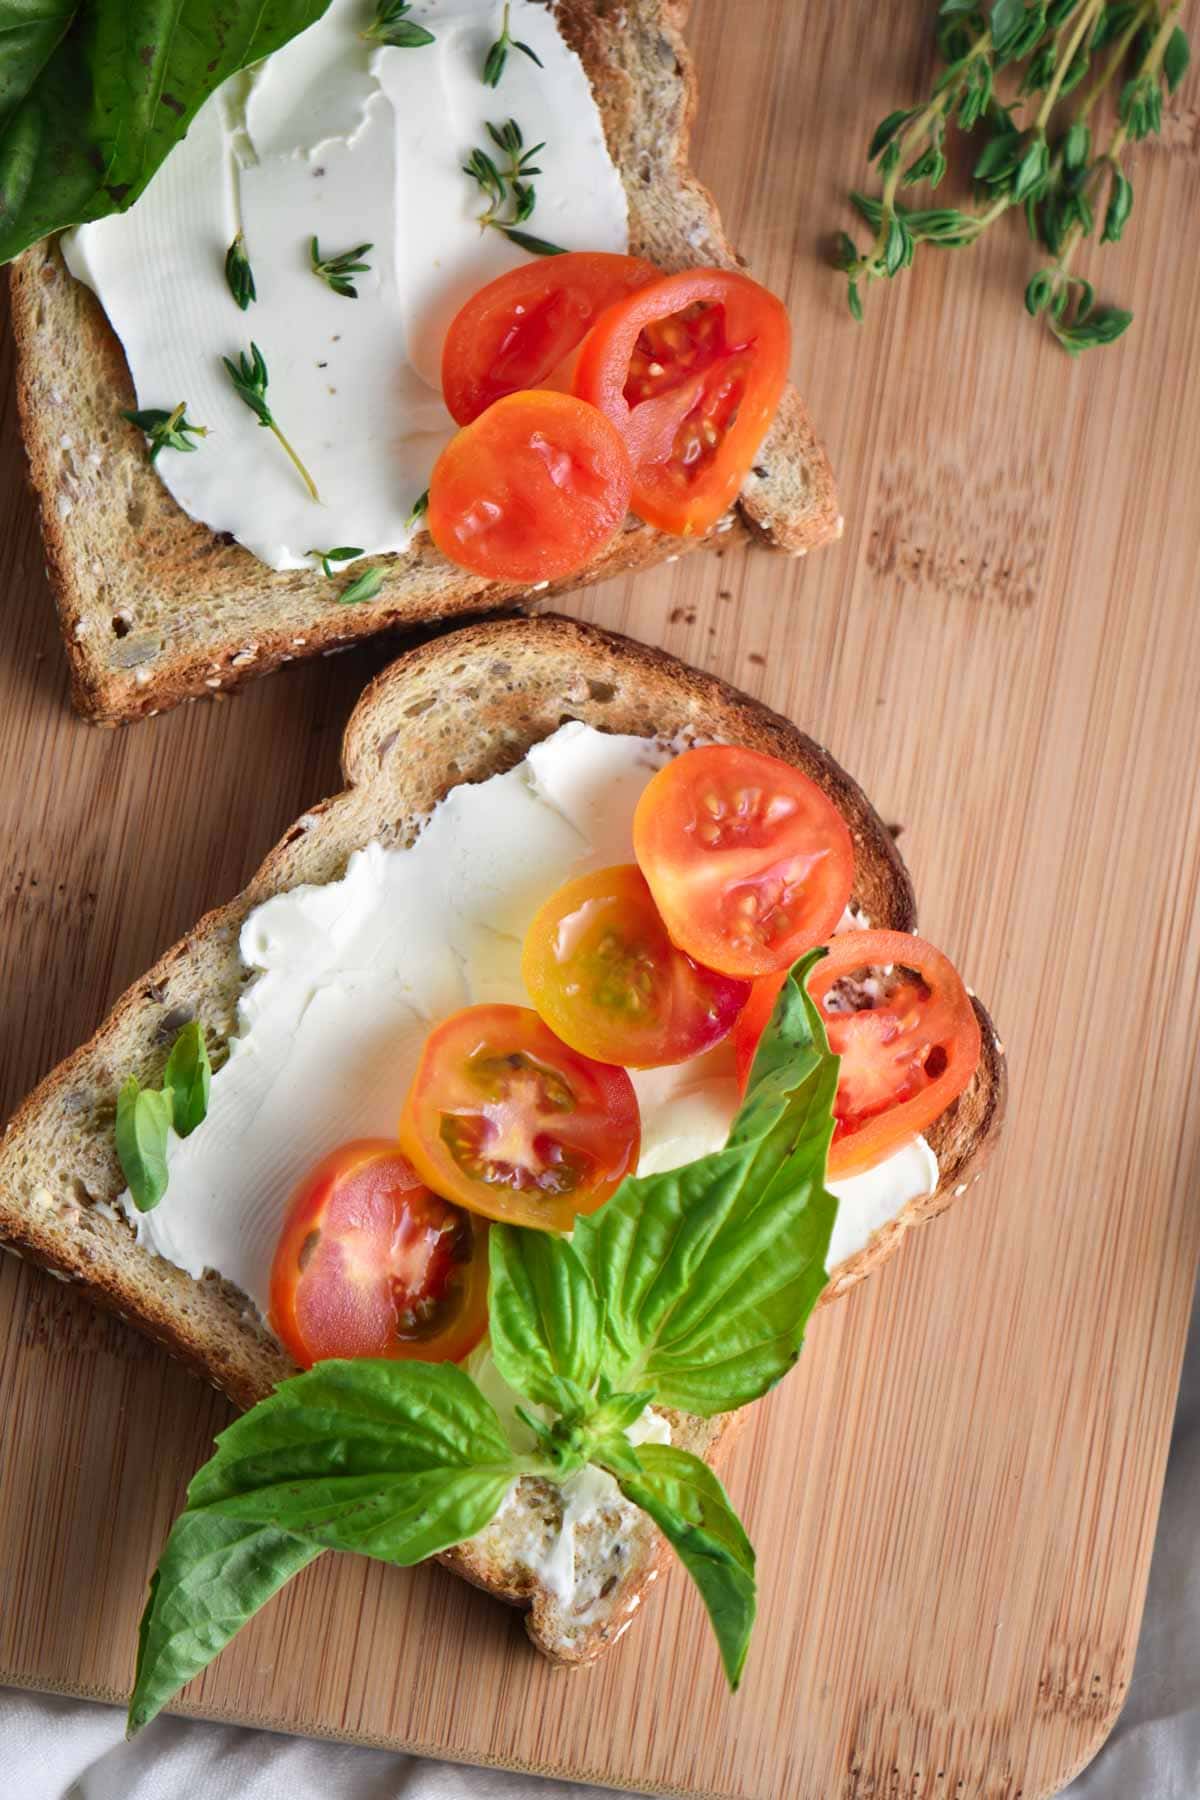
pixel 1039 153
pixel 327 558
pixel 391 25
pixel 249 377
pixel 497 56
pixel 239 275
pixel 166 430
pixel 508 188
pixel 336 271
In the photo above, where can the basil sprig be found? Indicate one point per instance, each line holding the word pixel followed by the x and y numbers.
pixel 94 96
pixel 146 1115
pixel 687 1289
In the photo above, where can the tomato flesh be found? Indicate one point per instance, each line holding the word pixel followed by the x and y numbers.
pixel 691 369
pixel 531 490
pixel 900 1018
pixel 371 1263
pixel 749 861
pixel 506 1120
pixel 605 976
pixel 519 331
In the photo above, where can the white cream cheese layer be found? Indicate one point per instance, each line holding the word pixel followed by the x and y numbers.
pixel 348 977
pixel 334 138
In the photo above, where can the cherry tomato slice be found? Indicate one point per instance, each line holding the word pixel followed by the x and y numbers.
pixel 533 489
pixel 507 1121
pixel 751 1022
pixel 519 331
pixel 370 1263
pixel 605 976
pixel 690 369
pixel 749 861
pixel 902 1022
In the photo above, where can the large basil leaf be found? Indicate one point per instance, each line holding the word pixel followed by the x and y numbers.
pixel 709 1272
pixel 544 1317
pixel 692 1510
pixel 214 1574
pixel 93 97
pixel 395 1459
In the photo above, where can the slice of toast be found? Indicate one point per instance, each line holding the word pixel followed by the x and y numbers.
pixel 459 708
pixel 155 608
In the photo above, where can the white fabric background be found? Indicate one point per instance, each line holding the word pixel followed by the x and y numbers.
pixel 53 1749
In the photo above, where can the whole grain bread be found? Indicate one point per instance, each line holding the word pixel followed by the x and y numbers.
pixel 155 608
pixel 460 708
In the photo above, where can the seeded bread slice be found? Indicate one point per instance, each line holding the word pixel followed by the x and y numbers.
pixel 155 608
pixel 458 709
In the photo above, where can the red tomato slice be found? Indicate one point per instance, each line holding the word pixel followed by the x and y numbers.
pixel 518 331
pixel 532 490
pixel 605 976
pixel 507 1121
pixel 902 1022
pixel 690 369
pixel 370 1263
pixel 749 861
pixel 751 1022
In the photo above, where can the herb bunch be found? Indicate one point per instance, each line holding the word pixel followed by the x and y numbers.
pixel 688 1289
pixel 507 186
pixel 1026 77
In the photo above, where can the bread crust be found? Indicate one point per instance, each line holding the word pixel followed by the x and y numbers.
pixel 156 609
pixel 461 707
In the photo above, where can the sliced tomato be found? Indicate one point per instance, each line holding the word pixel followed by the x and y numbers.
pixel 898 1015
pixel 533 489
pixel 605 976
pixel 751 1022
pixel 519 331
pixel 371 1263
pixel 749 861
pixel 508 1121
pixel 691 369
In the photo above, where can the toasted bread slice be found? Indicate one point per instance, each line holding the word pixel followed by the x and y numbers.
pixel 458 709
pixel 155 608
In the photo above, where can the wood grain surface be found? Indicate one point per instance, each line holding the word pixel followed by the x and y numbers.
pixel 954 1497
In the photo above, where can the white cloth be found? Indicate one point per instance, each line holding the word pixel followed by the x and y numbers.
pixel 55 1749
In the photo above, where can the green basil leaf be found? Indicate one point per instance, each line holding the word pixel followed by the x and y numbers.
pixel 544 1316
pixel 692 1510
pixel 93 98
pixel 187 1079
pixel 214 1575
pixel 143 1119
pixel 397 1460
pixel 709 1272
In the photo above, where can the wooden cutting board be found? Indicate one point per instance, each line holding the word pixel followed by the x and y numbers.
pixel 954 1497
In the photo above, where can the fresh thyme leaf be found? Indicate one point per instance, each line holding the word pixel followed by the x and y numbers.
pixel 249 377
pixel 507 186
pixel 343 553
pixel 336 271
pixel 1103 327
pixel 364 587
pixel 1176 58
pixel 166 430
pixel 391 25
pixel 536 246
pixel 1120 205
pixel 238 273
pixel 497 56
pixel 420 507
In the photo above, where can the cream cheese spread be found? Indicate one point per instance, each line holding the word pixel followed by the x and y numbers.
pixel 352 143
pixel 347 977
